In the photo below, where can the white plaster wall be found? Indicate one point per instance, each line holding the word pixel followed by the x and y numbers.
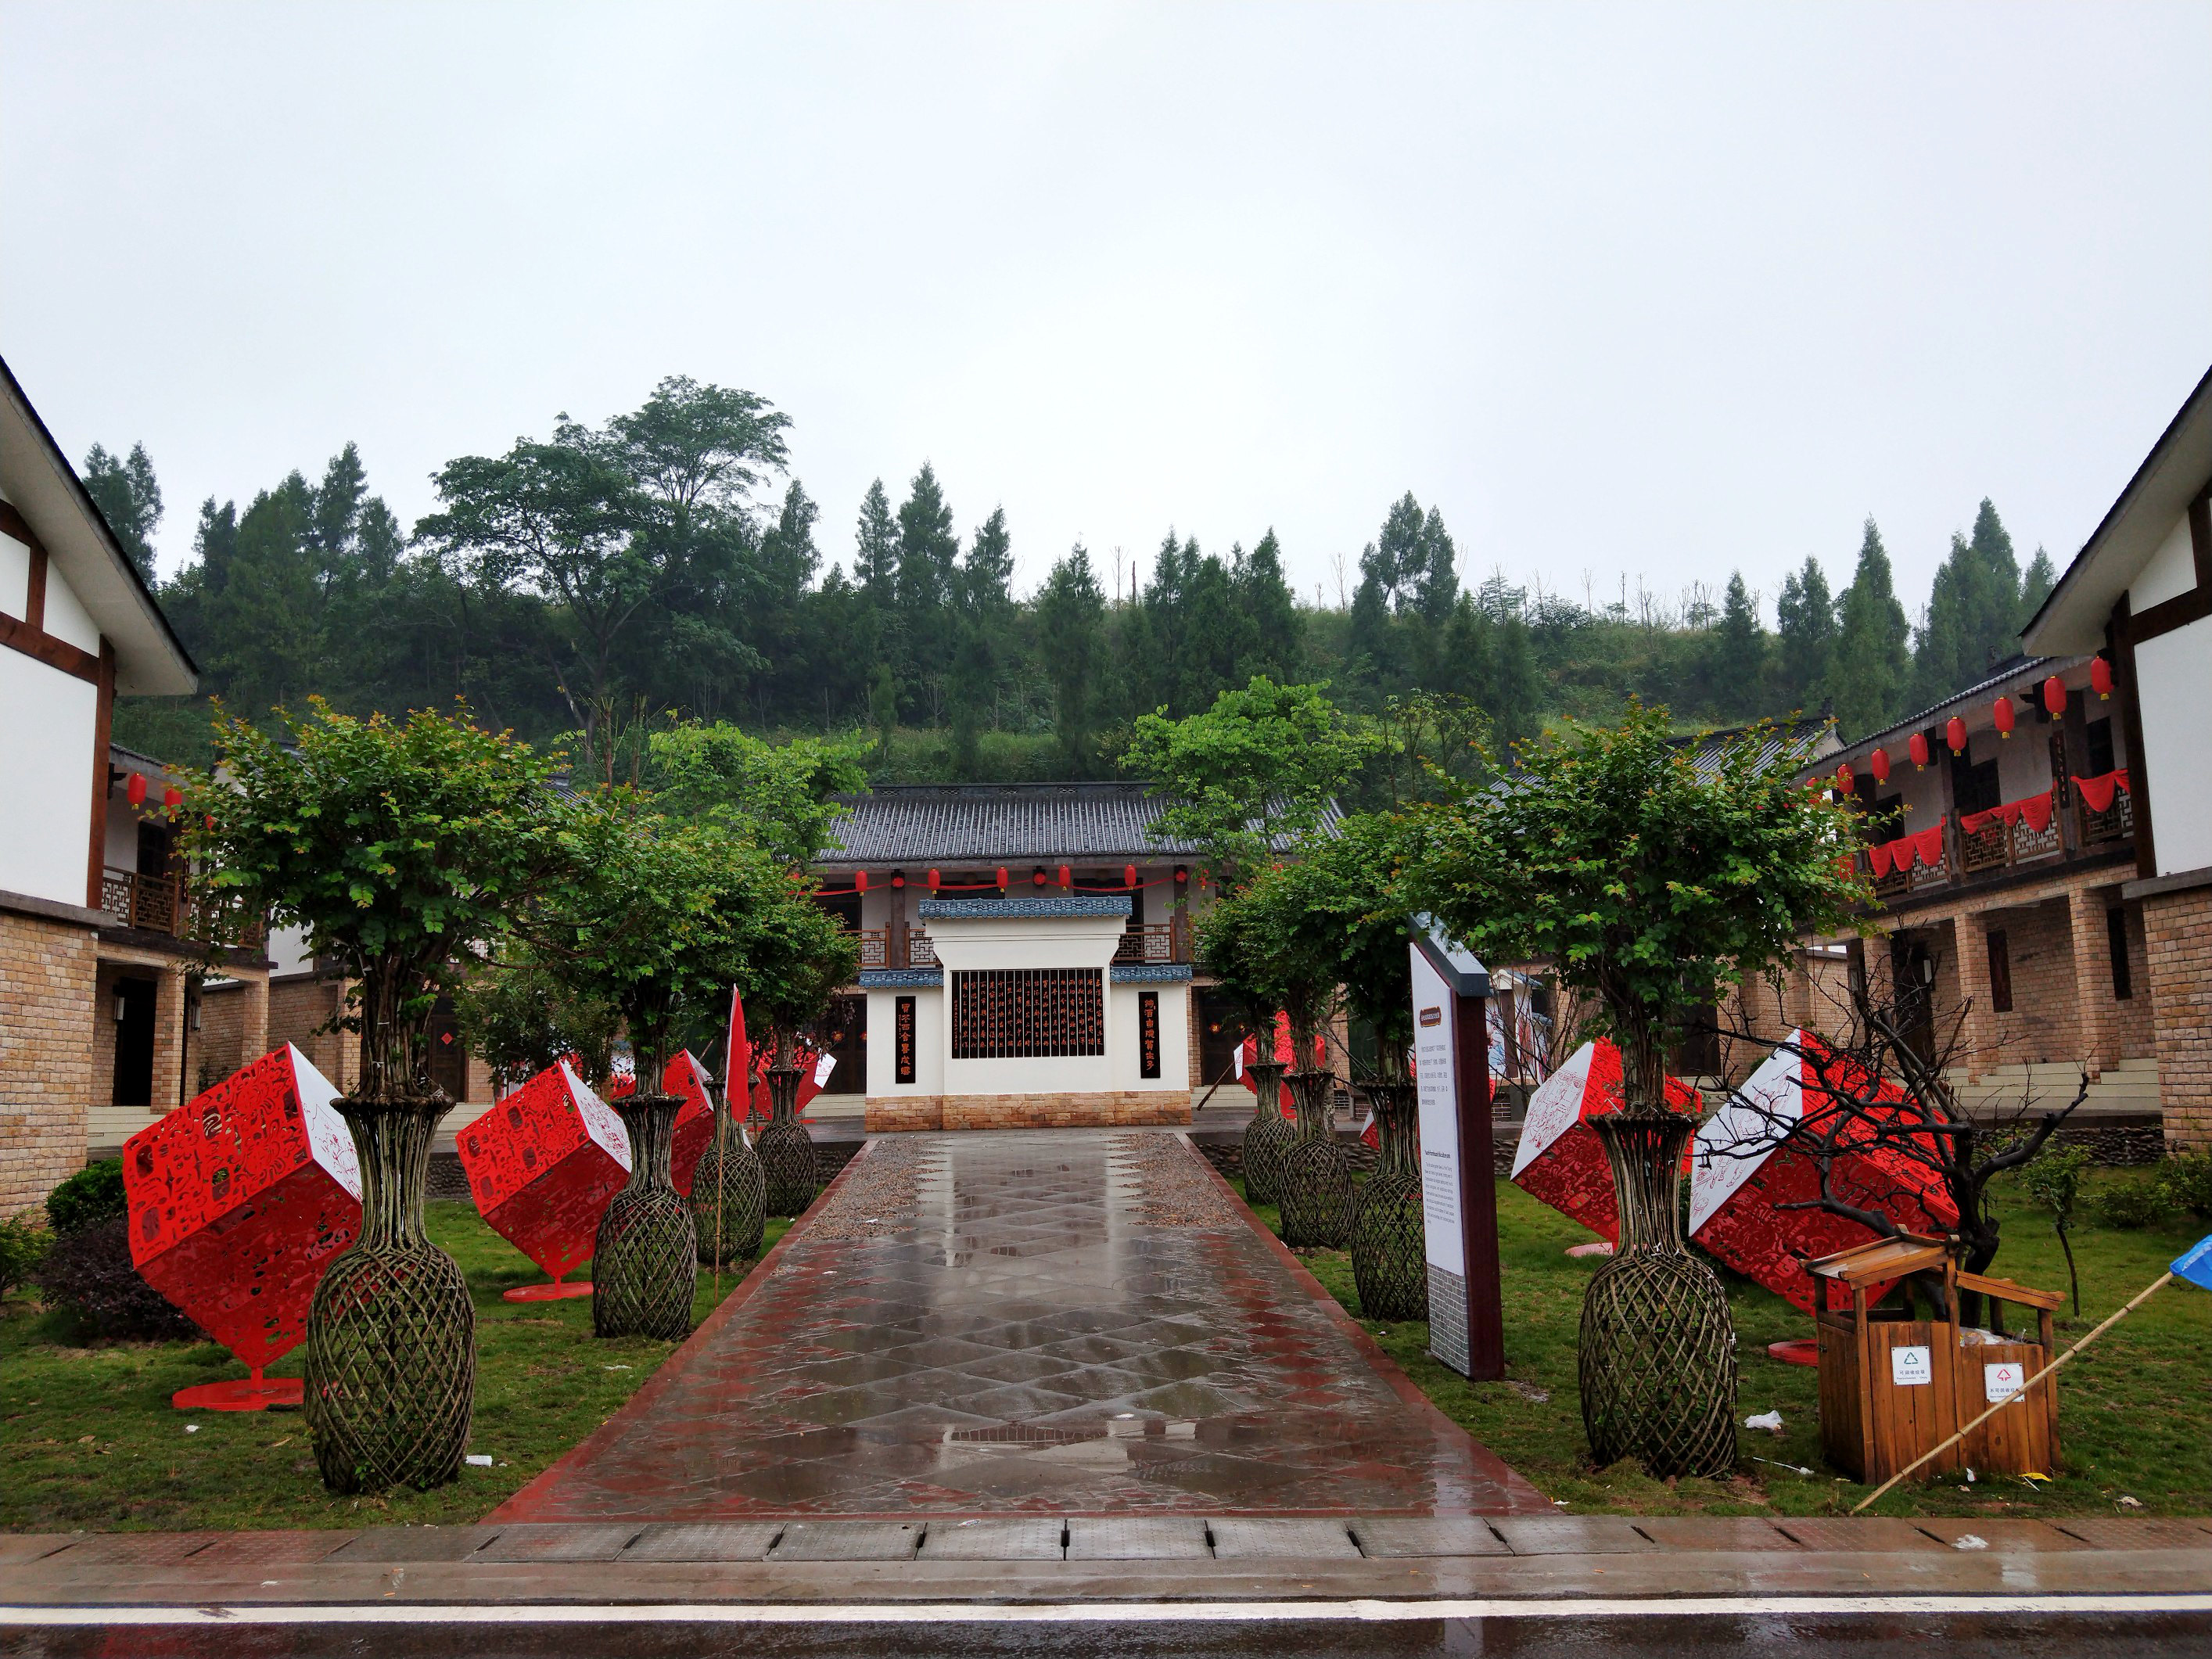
pixel 1121 1042
pixel 2023 759
pixel 1054 1074
pixel 929 1043
pixel 46 761
pixel 14 577
pixel 1025 941
pixel 2173 676
pixel 288 950
pixel 66 616
pixel 2171 570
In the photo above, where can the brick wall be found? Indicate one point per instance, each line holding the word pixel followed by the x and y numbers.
pixel 1106 1108
pixel 47 974
pixel 299 1006
pixel 219 1046
pixel 2045 1022
pixel 2178 934
pixel 2134 1029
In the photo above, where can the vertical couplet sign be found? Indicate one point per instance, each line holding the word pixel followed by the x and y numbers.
pixel 902 1042
pixel 1148 1034
pixel 1459 1202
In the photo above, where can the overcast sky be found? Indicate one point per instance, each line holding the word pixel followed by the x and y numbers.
pixel 1640 291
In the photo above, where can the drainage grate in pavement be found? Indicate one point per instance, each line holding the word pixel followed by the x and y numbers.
pixel 2119 1531
pixel 31 1547
pixel 2000 1533
pixel 848 1541
pixel 1731 1532
pixel 1419 1535
pixel 1012 1537
pixel 566 1541
pixel 1571 1535
pixel 380 1545
pixel 1877 1533
pixel 1284 1540
pixel 705 1541
pixel 132 1549
pixel 1136 1538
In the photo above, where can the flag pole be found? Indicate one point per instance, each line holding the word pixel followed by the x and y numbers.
pixel 2022 1393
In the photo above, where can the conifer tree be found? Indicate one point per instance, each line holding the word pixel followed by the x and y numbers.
pixel 1071 632
pixel 2035 586
pixel 130 498
pixel 1806 617
pixel 1263 595
pixel 1867 678
pixel 1737 670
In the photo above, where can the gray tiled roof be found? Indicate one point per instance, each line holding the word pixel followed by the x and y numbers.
pixel 928 824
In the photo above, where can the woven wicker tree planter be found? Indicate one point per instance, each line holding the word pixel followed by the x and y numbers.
pixel 1389 1237
pixel 1657 1355
pixel 392 1364
pixel 729 1196
pixel 1267 1136
pixel 645 1268
pixel 1315 1193
pixel 788 1162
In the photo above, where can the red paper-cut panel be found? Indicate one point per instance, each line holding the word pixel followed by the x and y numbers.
pixel 1561 1160
pixel 1738 1198
pixel 541 1164
pixel 238 1200
pixel 694 1124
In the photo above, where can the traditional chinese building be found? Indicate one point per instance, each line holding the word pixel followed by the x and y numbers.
pixel 1025 958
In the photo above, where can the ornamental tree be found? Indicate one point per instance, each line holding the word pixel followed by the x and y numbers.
pixel 1648 875
pixel 521 1017
pixel 1262 765
pixel 782 795
pixel 661 916
pixel 799 955
pixel 403 850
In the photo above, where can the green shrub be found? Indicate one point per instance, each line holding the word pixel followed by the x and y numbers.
pixel 22 1247
pixel 92 1195
pixel 90 1272
pixel 2131 1205
pixel 2187 1180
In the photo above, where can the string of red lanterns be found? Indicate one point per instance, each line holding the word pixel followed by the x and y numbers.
pixel 1062 876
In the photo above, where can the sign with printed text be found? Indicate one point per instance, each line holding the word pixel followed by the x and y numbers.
pixel 1912 1367
pixel 2003 1378
pixel 1437 1077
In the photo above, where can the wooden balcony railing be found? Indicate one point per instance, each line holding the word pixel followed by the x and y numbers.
pixel 879 946
pixel 2006 836
pixel 1152 943
pixel 2116 823
pixel 160 904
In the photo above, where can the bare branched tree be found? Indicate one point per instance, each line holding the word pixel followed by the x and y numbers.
pixel 1877 1072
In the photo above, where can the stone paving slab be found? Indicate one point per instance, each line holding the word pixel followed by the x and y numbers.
pixel 2114 1532
pixel 1995 1533
pixel 1858 1533
pixel 848 1541
pixel 410 1544
pixel 30 1546
pixel 710 1540
pixel 1390 1539
pixel 1572 1535
pixel 1022 1322
pixel 599 1543
pixel 1239 1539
pixel 1730 1532
pixel 996 1538
pixel 1137 1538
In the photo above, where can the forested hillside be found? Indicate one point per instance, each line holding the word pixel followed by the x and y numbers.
pixel 666 564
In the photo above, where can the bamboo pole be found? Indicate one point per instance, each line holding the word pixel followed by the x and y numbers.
pixel 2141 1297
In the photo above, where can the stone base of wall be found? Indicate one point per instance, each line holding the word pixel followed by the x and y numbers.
pixel 1113 1109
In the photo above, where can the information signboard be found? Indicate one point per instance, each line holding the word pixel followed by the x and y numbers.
pixel 1459 1204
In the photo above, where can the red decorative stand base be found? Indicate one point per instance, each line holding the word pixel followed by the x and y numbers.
pixel 558 1291
pixel 256 1393
pixel 1798 1350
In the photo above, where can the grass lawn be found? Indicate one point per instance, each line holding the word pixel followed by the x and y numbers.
pixel 2135 1412
pixel 89 1439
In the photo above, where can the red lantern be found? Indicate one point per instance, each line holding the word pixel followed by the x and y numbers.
pixel 1917 748
pixel 1955 734
pixel 860 881
pixel 1002 877
pixel 1064 881
pixel 2002 713
pixel 2101 677
pixel 1878 762
pixel 1036 876
pixel 172 798
pixel 1845 777
pixel 1182 874
pixel 134 791
pixel 933 881
pixel 2054 697
pixel 1129 875
pixel 898 878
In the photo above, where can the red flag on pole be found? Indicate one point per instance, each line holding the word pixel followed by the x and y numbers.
pixel 737 1052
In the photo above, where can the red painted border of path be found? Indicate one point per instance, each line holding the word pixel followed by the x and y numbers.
pixel 1527 1500
pixel 521 1505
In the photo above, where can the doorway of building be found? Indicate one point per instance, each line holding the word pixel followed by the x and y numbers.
pixel 1220 1028
pixel 134 1043
pixel 1912 970
pixel 844 1033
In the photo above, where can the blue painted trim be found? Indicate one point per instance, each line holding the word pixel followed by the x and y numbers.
pixel 1075 905
pixel 1150 973
pixel 899 979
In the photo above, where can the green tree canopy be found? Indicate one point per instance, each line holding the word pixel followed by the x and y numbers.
pixel 780 795
pixel 1646 877
pixel 1070 618
pixel 798 955
pixel 520 1018
pixel 403 849
pixel 1264 763
pixel 129 497
pixel 1867 678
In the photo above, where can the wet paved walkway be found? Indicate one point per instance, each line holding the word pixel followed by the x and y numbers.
pixel 1067 1323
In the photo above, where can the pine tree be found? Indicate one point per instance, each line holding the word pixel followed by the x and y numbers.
pixel 876 548
pixel 129 498
pixel 1435 584
pixel 1277 647
pixel 929 576
pixel 1867 676
pixel 987 578
pixel 1738 648
pixel 1806 633
pixel 2035 586
pixel 1071 634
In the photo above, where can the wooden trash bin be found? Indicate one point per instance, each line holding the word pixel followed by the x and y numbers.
pixel 1894 1387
